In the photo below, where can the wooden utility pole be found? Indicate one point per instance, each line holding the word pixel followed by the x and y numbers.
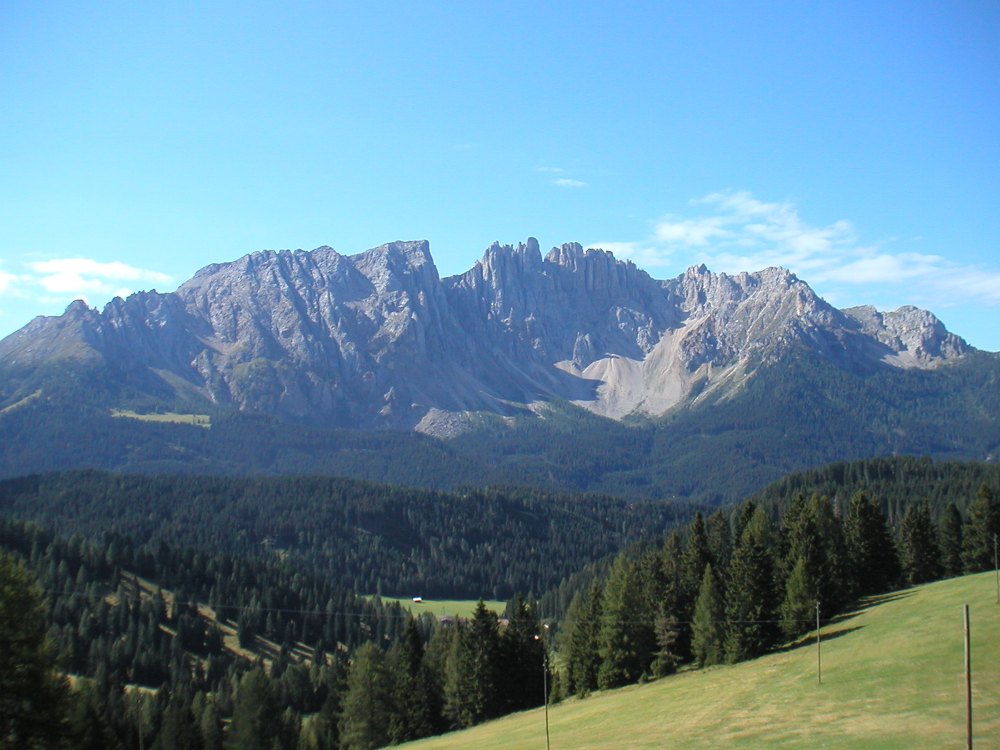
pixel 819 659
pixel 996 567
pixel 968 682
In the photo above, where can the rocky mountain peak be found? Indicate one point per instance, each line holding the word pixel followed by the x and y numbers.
pixel 914 337
pixel 379 339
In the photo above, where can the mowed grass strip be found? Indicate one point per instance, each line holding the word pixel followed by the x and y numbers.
pixel 893 677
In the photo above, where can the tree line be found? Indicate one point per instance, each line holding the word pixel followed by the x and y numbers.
pixel 735 585
pixel 366 537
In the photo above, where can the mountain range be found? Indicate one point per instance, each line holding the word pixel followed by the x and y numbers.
pixel 379 341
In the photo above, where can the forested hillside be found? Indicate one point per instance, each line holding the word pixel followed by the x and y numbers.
pixel 735 585
pixel 177 649
pixel 784 419
pixel 362 536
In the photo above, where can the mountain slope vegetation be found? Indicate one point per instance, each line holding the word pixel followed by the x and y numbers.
pixel 892 677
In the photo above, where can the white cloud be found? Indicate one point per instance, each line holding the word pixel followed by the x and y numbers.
pixel 734 231
pixel 569 183
pixel 7 281
pixel 692 232
pixel 83 276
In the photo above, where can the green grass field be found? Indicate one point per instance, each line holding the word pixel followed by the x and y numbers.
pixel 201 420
pixel 892 678
pixel 444 607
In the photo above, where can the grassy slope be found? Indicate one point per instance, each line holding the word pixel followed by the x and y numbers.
pixel 892 678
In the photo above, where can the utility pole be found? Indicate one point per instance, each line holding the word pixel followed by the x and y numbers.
pixel 819 659
pixel 996 567
pixel 968 683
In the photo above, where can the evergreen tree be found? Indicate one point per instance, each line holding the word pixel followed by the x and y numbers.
pixel 720 543
pixel 366 710
pixel 178 730
pixel 523 657
pixel 257 722
pixel 470 685
pixel 412 717
pixel 583 622
pixel 800 600
pixel 979 533
pixel 919 555
pixel 750 605
pixel 950 536
pixel 626 642
pixel 872 560
pixel 708 629
pixel 33 697
pixel 672 604
pixel 696 557
pixel 210 726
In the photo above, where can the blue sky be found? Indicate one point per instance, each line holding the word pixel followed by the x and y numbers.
pixel 857 144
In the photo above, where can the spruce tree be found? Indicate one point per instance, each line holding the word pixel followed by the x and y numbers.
pixel 522 659
pixel 872 559
pixel 750 596
pixel 800 600
pixel 720 543
pixel 696 557
pixel 256 723
pixel 983 526
pixel 413 714
pixel 33 697
pixel 626 643
pixel 950 536
pixel 919 555
pixel 708 629
pixel 583 622
pixel 366 708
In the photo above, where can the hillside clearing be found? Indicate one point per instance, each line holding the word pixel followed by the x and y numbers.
pixel 200 420
pixel 892 678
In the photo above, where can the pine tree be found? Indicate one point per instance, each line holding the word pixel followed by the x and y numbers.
pixel 470 682
pixel 800 599
pixel 412 717
pixel 950 536
pixel 750 597
pixel 583 623
pixel 523 657
pixel 708 629
pixel 366 709
pixel 720 543
pixel 983 526
pixel 696 557
pixel 626 642
pixel 872 560
pixel 256 723
pixel 919 555
pixel 33 697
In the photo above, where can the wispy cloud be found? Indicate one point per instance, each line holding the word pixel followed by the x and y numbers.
pixel 569 183
pixel 734 231
pixel 66 279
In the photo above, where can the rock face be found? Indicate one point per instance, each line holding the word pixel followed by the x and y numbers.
pixel 379 340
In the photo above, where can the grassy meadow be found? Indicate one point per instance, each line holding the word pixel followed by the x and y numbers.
pixel 201 420
pixel 445 607
pixel 892 677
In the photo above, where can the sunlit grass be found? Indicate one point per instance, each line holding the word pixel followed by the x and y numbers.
pixel 200 420
pixel 892 678
pixel 445 607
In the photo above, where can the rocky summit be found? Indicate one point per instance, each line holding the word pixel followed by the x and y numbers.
pixel 378 339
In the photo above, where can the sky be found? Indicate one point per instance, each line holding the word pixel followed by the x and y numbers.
pixel 855 143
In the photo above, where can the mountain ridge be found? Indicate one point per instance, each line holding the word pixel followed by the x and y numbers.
pixel 378 339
